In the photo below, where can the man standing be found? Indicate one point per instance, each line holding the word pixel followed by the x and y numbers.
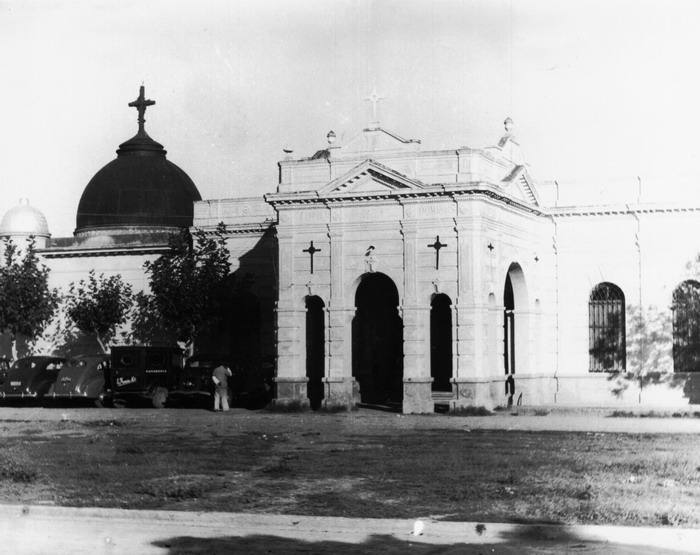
pixel 220 378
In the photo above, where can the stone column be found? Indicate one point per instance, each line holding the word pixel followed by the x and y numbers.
pixel 340 385
pixel 472 382
pixel 417 393
pixel 291 354
pixel 417 382
pixel 291 330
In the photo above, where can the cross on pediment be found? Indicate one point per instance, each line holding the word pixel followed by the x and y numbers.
pixel 374 98
pixel 141 104
pixel 312 250
pixel 437 245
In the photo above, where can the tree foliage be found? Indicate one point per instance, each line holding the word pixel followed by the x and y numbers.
pixel 27 303
pixel 98 305
pixel 185 283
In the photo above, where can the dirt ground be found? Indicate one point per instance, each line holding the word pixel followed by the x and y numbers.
pixel 556 469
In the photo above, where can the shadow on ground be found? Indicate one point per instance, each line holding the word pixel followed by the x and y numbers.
pixel 525 542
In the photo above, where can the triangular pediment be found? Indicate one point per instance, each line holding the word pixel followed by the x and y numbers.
pixel 519 185
pixel 370 177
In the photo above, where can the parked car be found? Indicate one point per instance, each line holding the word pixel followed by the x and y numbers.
pixel 31 377
pixel 4 368
pixel 84 377
pixel 250 389
pixel 144 373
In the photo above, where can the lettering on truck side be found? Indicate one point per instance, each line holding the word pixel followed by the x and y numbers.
pixel 125 381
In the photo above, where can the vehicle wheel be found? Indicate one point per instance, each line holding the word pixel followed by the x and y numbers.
pixel 159 397
pixel 104 401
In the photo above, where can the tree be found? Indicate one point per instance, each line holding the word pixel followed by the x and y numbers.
pixel 97 306
pixel 185 283
pixel 27 303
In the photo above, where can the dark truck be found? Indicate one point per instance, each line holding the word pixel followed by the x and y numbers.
pixel 246 388
pixel 144 373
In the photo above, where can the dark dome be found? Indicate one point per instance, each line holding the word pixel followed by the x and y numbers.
pixel 140 189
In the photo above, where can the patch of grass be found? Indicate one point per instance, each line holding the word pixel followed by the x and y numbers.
pixel 470 411
pixel 367 464
pixel 177 487
pixel 15 467
pixel 103 423
pixel 278 466
pixel 131 450
pixel 542 412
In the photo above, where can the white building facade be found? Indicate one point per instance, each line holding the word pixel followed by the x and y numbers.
pixel 382 274
pixel 410 278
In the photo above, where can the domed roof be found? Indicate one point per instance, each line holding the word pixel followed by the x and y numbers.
pixel 24 220
pixel 139 189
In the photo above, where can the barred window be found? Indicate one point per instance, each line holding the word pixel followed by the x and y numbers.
pixel 686 327
pixel 606 328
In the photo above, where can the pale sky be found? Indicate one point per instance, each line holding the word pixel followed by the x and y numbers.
pixel 598 90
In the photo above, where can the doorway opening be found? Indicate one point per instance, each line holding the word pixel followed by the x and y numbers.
pixel 441 343
pixel 377 341
pixel 315 350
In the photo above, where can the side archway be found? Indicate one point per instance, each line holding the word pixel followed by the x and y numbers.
pixel 315 350
pixel 441 342
pixel 515 327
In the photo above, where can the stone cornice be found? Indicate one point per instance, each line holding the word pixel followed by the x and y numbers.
pixel 102 251
pixel 620 210
pixel 447 191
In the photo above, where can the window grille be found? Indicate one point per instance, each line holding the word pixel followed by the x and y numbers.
pixel 686 327
pixel 606 328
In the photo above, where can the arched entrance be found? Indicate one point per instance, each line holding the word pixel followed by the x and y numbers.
pixel 514 327
pixel 441 343
pixel 377 341
pixel 315 350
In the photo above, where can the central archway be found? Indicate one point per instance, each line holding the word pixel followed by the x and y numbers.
pixel 377 341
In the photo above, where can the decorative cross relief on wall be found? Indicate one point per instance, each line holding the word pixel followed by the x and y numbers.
pixel 492 265
pixel 437 245
pixel 311 250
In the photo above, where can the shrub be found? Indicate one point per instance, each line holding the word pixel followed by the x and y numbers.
pixel 470 411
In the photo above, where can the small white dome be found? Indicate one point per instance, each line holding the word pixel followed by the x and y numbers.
pixel 24 220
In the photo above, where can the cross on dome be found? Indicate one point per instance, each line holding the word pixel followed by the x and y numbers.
pixel 141 104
